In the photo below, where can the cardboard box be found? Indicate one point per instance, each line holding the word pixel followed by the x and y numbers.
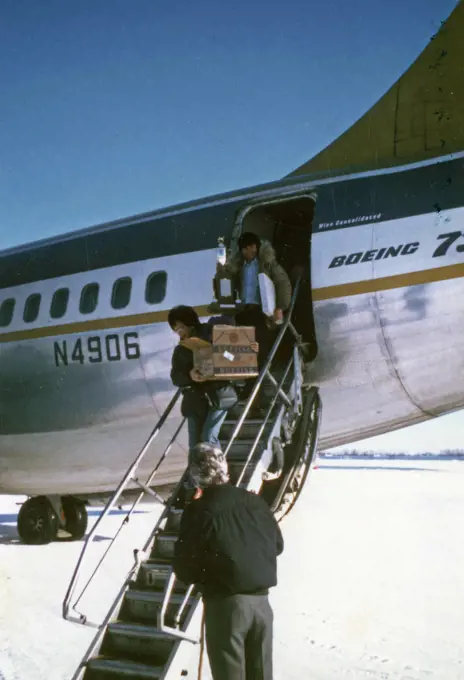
pixel 230 356
pixel 233 357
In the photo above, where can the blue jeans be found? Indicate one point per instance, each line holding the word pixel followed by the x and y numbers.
pixel 205 430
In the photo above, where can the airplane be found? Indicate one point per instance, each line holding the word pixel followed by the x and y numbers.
pixel 377 220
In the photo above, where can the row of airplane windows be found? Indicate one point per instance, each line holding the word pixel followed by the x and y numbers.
pixel 155 292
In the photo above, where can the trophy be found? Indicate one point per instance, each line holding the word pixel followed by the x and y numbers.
pixel 224 293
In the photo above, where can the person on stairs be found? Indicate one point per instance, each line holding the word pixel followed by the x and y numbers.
pixel 228 545
pixel 205 402
pixel 256 256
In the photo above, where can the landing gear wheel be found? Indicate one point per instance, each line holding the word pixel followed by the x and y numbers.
pixel 76 517
pixel 37 521
pixel 303 448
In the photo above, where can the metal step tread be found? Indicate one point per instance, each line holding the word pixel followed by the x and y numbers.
pixel 240 449
pixel 247 431
pixel 174 512
pixel 167 536
pixel 248 421
pixel 236 412
pixel 121 667
pixel 241 443
pixel 153 596
pixel 163 563
pixel 142 586
pixel 138 630
pixel 236 471
pixel 164 545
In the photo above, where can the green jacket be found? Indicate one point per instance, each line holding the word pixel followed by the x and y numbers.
pixel 268 265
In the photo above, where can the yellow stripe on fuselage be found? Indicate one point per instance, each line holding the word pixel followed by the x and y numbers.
pixel 453 271
pixel 318 294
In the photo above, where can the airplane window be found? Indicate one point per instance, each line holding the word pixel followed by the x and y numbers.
pixel 31 308
pixel 6 312
pixel 89 298
pixel 155 290
pixel 59 303
pixel 121 294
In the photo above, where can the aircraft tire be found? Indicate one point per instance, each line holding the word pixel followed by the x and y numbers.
pixel 305 447
pixel 76 517
pixel 37 521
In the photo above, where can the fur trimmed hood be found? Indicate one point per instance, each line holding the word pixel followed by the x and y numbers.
pixel 267 264
pixel 266 256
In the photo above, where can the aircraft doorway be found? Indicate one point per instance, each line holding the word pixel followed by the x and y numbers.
pixel 287 224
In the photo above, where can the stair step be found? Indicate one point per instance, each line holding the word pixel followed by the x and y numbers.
pixel 235 412
pixel 164 545
pixel 133 647
pixel 153 576
pixel 105 668
pixel 249 429
pixel 235 470
pixel 144 606
pixel 249 421
pixel 173 520
pixel 137 641
pixel 241 448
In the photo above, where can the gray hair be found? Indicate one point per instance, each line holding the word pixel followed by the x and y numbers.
pixel 208 466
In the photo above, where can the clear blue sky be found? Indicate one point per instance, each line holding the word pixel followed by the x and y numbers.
pixel 111 107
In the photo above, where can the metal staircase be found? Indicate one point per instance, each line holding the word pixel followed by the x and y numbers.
pixel 153 628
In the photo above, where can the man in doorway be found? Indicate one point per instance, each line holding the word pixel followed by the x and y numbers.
pixel 228 545
pixel 256 256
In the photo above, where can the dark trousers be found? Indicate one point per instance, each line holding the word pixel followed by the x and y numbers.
pixel 265 336
pixel 239 637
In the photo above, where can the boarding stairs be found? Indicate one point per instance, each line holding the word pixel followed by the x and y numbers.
pixel 153 629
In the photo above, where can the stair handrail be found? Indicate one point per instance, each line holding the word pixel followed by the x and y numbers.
pixel 133 571
pixel 174 631
pixel 266 366
pixel 264 423
pixel 128 477
pixel 145 489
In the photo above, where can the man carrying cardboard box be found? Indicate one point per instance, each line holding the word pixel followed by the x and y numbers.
pixel 205 401
pixel 204 362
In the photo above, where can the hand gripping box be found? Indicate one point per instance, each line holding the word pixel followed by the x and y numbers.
pixel 230 357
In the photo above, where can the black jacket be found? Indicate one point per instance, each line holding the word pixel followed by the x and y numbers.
pixel 228 543
pixel 182 358
pixel 193 400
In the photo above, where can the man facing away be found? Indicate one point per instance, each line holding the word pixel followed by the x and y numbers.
pixel 228 545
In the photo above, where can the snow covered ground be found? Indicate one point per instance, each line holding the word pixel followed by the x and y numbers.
pixel 371 584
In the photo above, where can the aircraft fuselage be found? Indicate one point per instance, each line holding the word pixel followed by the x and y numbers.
pixel 84 372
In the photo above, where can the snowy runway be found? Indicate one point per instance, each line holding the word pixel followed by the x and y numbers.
pixel 371 584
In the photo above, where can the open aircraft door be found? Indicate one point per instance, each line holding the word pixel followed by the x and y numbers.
pixel 287 223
